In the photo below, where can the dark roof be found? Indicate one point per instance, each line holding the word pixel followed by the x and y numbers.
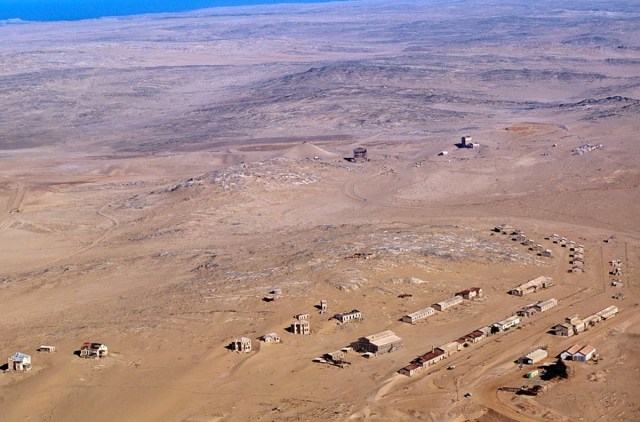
pixel 429 356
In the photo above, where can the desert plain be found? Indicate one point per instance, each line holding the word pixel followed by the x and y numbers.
pixel 161 174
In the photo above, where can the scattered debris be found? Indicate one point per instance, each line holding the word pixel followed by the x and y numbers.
pixel 586 148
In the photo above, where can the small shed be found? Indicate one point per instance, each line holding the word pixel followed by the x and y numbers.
pixel 271 338
pixel 46 349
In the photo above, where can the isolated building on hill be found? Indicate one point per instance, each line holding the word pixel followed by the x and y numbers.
pixel 360 154
pixel 93 350
pixel 242 345
pixel 301 317
pixel 383 342
pixel 354 315
pixel 416 316
pixel 20 362
pixel 448 303
pixel 47 349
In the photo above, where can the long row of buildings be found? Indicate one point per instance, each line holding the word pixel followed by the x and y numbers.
pixel 574 325
pixel 439 353
pixel 472 293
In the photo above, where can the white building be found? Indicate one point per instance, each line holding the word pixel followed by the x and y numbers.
pixel 413 317
pixel 545 305
pixel 448 303
pixel 532 286
pixel 354 315
pixel 585 354
pixel 20 362
pixel 505 324
pixel 534 357
pixel 271 338
pixel 608 312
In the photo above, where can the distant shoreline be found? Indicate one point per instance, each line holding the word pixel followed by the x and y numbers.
pixel 76 10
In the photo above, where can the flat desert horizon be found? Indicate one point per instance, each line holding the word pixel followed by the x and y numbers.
pixel 161 176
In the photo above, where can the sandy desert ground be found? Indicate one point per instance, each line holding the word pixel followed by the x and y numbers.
pixel 160 174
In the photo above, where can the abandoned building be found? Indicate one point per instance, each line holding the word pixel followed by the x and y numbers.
pixel 416 316
pixel 505 324
pixel 301 317
pixel 19 362
pixel 528 310
pixel 93 350
pixel 532 286
pixel 546 253
pixel 46 349
pixel 448 303
pixel 301 327
pixel 504 229
pixel 336 356
pixel 608 312
pixel 584 354
pixel 242 345
pixel 354 315
pixel 271 338
pixel 384 342
pixel 360 154
pixel 472 293
pixel 273 295
pixel 545 305
pixel 323 306
pixel 475 337
pixel 450 348
pixel 563 330
pixel 534 357
pixel 411 369
pixel 568 354
pixel 431 358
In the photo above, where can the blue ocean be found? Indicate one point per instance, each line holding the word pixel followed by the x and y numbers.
pixel 71 10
